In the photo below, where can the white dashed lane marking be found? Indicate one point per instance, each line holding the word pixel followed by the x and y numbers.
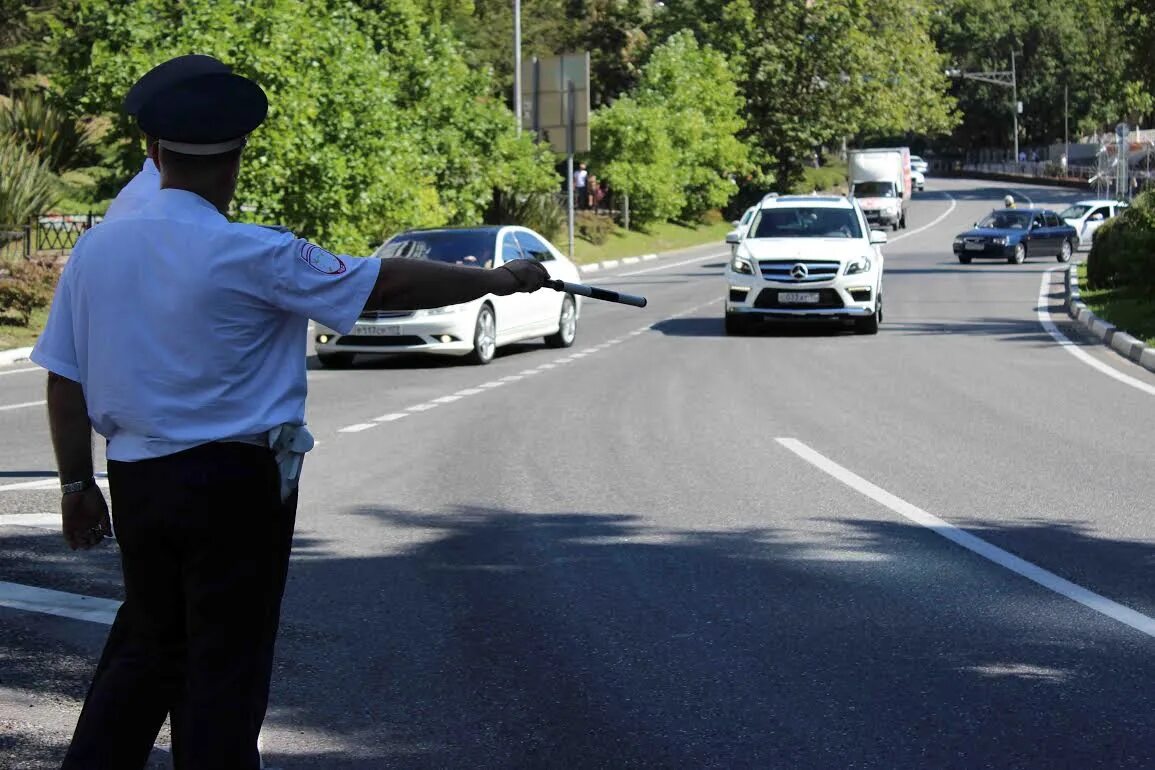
pixel 358 427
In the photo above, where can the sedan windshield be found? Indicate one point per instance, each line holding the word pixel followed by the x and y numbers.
pixel 1007 220
pixel 874 189
pixel 1074 212
pixel 455 247
pixel 805 223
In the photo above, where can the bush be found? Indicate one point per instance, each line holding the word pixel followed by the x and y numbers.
pixel 595 228
pixel 27 185
pixel 27 287
pixel 1123 252
pixel 542 212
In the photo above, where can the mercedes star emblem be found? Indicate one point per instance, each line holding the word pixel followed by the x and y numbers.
pixel 799 271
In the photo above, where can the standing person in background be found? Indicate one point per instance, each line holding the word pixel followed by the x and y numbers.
pixel 142 187
pixel 205 422
pixel 580 184
pixel 595 191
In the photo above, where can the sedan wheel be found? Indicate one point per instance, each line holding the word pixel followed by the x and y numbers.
pixel 1065 252
pixel 484 337
pixel 566 325
pixel 1019 256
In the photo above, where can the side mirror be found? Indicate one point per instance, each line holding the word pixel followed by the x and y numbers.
pixel 735 223
pixel 733 238
pixel 877 237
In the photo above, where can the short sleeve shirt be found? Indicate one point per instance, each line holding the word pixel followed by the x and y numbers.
pixel 185 328
pixel 136 194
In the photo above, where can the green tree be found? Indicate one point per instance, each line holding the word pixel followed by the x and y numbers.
pixel 633 151
pixel 376 123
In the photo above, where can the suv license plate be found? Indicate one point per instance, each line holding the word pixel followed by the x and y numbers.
pixel 798 297
pixel 393 330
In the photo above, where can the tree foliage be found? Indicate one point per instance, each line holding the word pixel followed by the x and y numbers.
pixel 376 122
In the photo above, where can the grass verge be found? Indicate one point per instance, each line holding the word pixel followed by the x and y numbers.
pixel 13 334
pixel 1134 315
pixel 665 236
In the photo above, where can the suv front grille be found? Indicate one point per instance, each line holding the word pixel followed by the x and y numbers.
pixel 828 299
pixel 783 270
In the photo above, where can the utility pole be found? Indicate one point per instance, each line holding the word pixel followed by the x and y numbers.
pixel 517 63
pixel 1015 103
pixel 1066 129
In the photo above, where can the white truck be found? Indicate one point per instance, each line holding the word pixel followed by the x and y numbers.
pixel 880 179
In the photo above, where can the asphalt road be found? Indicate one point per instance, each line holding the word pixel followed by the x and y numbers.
pixel 672 548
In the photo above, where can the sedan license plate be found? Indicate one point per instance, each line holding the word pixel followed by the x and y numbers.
pixel 392 330
pixel 972 246
pixel 798 297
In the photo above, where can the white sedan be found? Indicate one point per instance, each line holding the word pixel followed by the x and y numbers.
pixel 473 329
pixel 1088 216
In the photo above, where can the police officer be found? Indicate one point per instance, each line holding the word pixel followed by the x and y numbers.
pixel 178 336
pixel 140 189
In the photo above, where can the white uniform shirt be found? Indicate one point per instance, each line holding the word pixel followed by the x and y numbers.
pixel 185 328
pixel 137 193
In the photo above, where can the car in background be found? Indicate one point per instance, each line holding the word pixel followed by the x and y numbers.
pixel 918 179
pixel 734 237
pixel 1015 235
pixel 1088 216
pixel 806 257
pixel 474 329
pixel 919 165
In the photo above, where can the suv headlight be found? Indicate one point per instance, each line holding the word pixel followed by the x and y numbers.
pixel 860 265
pixel 742 265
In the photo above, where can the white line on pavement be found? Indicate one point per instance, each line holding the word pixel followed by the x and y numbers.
pixel 953 204
pixel 491 384
pixel 59 603
pixel 391 417
pixel 977 545
pixel 673 264
pixel 21 371
pixel 447 399
pixel 357 428
pixel 469 392
pixel 1068 345
pixel 25 405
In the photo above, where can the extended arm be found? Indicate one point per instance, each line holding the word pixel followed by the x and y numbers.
pixel 412 284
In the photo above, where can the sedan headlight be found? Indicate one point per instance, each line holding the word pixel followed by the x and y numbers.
pixel 1001 240
pixel 860 265
pixel 437 311
pixel 959 241
pixel 742 265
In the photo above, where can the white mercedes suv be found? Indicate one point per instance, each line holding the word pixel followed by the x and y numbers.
pixel 806 257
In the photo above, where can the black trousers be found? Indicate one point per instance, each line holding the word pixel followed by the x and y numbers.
pixel 205 541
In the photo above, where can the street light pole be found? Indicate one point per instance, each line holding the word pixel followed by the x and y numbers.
pixel 1015 103
pixel 517 63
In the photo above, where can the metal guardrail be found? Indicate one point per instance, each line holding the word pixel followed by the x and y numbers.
pixel 46 236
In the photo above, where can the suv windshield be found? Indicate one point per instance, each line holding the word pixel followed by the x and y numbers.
pixel 1074 212
pixel 805 222
pixel 1007 220
pixel 455 247
pixel 874 189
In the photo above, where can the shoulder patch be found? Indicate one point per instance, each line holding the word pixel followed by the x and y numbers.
pixel 322 261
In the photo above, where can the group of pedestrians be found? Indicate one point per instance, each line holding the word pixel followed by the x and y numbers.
pixel 587 190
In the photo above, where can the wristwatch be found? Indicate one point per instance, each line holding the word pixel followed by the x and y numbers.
pixel 77 486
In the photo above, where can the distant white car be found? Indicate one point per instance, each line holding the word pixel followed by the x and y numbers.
pixel 918 179
pixel 806 257
pixel 919 165
pixel 473 329
pixel 1088 216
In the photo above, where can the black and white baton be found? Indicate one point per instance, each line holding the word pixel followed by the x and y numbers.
pixel 596 293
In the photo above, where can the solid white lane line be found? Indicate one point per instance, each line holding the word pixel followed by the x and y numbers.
pixel 59 603
pixel 953 204
pixel 21 371
pixel 357 428
pixel 659 268
pixel 447 399
pixel 977 545
pixel 391 417
pixel 52 483
pixel 1068 345
pixel 36 520
pixel 25 405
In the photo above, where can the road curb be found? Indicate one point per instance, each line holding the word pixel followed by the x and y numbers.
pixel 14 355
pixel 609 264
pixel 1117 339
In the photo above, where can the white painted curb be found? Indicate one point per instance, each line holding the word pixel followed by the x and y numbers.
pixel 1119 341
pixel 14 355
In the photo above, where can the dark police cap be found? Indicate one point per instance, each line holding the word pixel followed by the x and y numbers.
pixel 166 74
pixel 206 115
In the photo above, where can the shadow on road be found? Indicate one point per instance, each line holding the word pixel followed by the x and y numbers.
pixel 498 638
